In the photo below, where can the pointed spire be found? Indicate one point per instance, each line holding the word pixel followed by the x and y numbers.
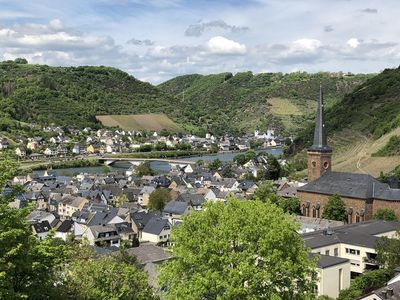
pixel 320 139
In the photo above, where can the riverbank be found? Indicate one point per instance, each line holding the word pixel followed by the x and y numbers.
pixel 76 163
pixel 161 154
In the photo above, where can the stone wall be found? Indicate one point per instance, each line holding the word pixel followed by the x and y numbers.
pixel 356 204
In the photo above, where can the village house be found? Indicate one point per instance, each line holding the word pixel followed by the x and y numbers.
pixel 156 230
pixel 20 152
pixel 4 144
pixel 102 236
pixel 69 205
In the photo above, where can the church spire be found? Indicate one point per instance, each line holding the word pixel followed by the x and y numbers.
pixel 320 139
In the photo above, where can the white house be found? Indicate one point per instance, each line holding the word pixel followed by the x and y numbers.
pixel 156 230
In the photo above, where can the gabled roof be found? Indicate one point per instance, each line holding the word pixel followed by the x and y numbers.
pixel 353 185
pixel 65 226
pixel 193 199
pixel 176 207
pixel 97 229
pixel 156 225
pixel 141 218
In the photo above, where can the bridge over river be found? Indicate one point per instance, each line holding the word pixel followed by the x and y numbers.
pixel 108 161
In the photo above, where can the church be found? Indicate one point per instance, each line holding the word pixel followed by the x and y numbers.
pixel 362 193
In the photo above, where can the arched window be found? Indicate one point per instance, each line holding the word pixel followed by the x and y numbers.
pixel 350 215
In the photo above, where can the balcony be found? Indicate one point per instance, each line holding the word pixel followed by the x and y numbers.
pixel 370 261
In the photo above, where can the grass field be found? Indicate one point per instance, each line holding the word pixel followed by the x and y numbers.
pixel 151 122
pixel 281 106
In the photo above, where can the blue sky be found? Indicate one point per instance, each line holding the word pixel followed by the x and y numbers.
pixel 155 40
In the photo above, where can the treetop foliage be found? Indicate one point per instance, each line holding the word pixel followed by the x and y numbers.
pixel 238 250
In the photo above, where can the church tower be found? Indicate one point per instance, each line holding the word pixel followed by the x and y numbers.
pixel 319 154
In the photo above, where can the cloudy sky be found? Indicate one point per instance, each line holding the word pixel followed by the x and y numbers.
pixel 155 40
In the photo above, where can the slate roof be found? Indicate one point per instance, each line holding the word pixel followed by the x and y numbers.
pixel 353 185
pixel 42 227
pixel 155 225
pixel 326 261
pixel 97 229
pixel 389 292
pixel 320 138
pixel 65 226
pixel 359 234
pixel 193 199
pixel 176 207
pixel 143 217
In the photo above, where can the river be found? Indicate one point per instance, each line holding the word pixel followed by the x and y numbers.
pixel 159 167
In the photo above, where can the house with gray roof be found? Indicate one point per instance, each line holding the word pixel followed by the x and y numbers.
pixel 176 210
pixel 103 236
pixel 157 230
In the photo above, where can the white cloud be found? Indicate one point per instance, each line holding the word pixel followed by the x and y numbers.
pixel 221 45
pixel 353 43
pixel 306 45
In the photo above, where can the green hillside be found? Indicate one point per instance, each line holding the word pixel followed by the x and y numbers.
pixel 363 128
pixel 218 103
pixel 74 95
pixel 243 101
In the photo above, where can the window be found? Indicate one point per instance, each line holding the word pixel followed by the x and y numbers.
pixel 352 251
pixel 357 218
pixel 336 252
pixel 326 252
pixel 160 237
pixel 340 279
pixel 314 212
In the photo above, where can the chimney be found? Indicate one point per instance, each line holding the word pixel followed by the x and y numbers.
pixel 384 294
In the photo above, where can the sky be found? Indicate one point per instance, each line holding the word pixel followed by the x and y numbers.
pixel 156 40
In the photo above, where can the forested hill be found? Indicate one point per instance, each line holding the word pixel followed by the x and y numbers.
pixel 243 101
pixel 218 103
pixel 74 95
pixel 372 109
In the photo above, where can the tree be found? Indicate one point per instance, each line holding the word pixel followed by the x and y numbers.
pixel 335 209
pixel 238 250
pixel 144 169
pixel 365 283
pixel 266 192
pixel 121 199
pixel 273 168
pixel 215 165
pixel 26 265
pixel 200 162
pixel 387 214
pixel 240 159
pixel 388 251
pixel 115 277
pixel 159 198
pixel 21 60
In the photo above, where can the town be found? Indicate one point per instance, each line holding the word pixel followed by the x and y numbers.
pixel 199 150
pixel 139 209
